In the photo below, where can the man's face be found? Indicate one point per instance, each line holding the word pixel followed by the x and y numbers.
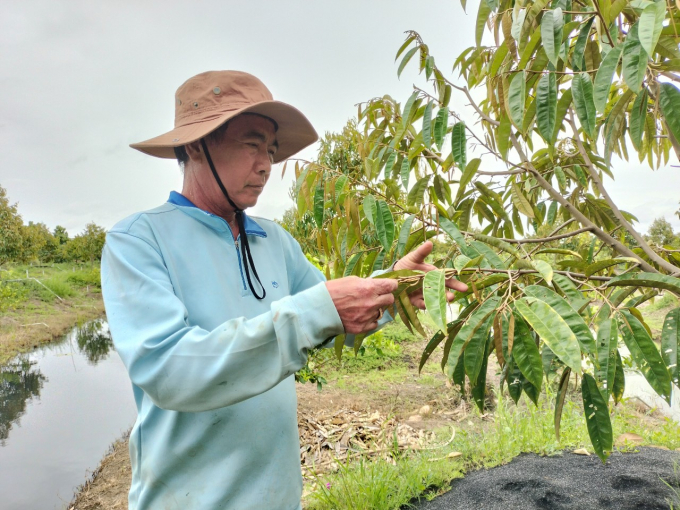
pixel 243 157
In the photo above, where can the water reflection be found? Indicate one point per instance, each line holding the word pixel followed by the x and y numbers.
pixel 20 381
pixel 94 340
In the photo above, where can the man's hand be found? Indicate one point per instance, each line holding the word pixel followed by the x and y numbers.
pixel 416 260
pixel 361 301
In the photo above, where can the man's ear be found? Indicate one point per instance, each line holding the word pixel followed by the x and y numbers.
pixel 194 151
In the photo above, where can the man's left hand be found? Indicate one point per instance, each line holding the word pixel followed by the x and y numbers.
pixel 416 260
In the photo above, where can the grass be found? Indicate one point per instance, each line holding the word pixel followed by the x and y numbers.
pixel 483 442
pixel 39 303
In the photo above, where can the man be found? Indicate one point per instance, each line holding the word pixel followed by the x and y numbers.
pixel 213 312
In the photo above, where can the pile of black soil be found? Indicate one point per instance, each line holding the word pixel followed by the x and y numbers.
pixel 629 481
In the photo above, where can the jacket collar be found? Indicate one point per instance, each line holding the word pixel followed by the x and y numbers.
pixel 211 220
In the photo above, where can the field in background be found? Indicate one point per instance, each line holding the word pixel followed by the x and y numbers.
pixel 39 303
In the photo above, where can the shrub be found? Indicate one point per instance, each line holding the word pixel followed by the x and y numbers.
pixel 86 277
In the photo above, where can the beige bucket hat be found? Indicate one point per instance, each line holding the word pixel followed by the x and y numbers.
pixel 208 100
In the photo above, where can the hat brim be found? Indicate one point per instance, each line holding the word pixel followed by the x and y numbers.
pixel 295 132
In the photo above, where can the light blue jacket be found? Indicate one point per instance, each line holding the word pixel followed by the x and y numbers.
pixel 211 366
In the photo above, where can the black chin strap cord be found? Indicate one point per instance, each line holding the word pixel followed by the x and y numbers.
pixel 245 245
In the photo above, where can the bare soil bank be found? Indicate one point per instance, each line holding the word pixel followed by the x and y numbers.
pixel 26 329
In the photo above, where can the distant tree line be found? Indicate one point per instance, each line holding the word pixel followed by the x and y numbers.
pixel 35 242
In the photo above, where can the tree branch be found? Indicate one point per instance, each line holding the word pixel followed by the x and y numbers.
pixel 578 215
pixel 595 176
pixel 548 239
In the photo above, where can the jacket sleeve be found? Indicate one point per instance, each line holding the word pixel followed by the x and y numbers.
pixel 187 368
pixel 306 275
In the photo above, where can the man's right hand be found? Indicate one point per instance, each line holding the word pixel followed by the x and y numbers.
pixel 359 301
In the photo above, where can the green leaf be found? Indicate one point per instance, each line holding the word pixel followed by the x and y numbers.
pixel 605 263
pixel 409 313
pixel 552 213
pixel 442 189
pixel 670 344
pixel 607 348
pixel 580 176
pixel 560 251
pixel 544 269
pixel 338 345
pixel 554 331
pixel 403 235
pixel 650 26
pixel 427 125
pixel 434 294
pixel 430 347
pixel 521 202
pixel 415 196
pixel 619 380
pixel 370 208
pixel 405 172
pixel 597 418
pixel 384 224
pixel 469 172
pixel 476 320
pixel 559 400
pixel 318 206
pixel 669 98
pixel 561 178
pixel 580 46
pixel 406 116
pixel 645 354
pixel 516 98
pixel 450 228
pixel 482 16
pixel 604 76
pixel 637 119
pixel 458 142
pixel 582 92
pixel 654 280
pixel 503 135
pixel 352 263
pixel 563 104
pixel 634 60
pixel 478 390
pixel 551 34
pixel 405 60
pixel 440 125
pixel 546 105
pixel 525 353
pixel 475 351
pixel 575 322
pixel 514 380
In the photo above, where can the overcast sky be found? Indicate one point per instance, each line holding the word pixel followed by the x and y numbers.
pixel 80 80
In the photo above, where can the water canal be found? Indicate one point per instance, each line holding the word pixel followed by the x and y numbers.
pixel 61 406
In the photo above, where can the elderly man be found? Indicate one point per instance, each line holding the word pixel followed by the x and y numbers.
pixel 213 312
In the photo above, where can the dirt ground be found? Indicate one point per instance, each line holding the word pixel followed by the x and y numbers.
pixel 26 330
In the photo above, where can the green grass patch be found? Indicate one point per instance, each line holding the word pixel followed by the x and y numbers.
pixel 483 442
pixel 381 484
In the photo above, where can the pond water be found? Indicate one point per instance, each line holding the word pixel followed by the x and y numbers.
pixel 61 406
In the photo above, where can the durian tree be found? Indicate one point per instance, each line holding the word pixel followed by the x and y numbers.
pixel 561 93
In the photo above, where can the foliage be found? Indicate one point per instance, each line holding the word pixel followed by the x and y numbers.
pixel 564 88
pixel 661 234
pixel 34 242
pixel 11 238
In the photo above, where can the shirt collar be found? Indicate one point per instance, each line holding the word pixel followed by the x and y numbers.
pixel 251 226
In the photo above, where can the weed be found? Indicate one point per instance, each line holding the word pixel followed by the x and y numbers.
pixel 382 484
pixel 58 284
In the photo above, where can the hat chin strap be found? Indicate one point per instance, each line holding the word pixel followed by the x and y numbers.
pixel 245 245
